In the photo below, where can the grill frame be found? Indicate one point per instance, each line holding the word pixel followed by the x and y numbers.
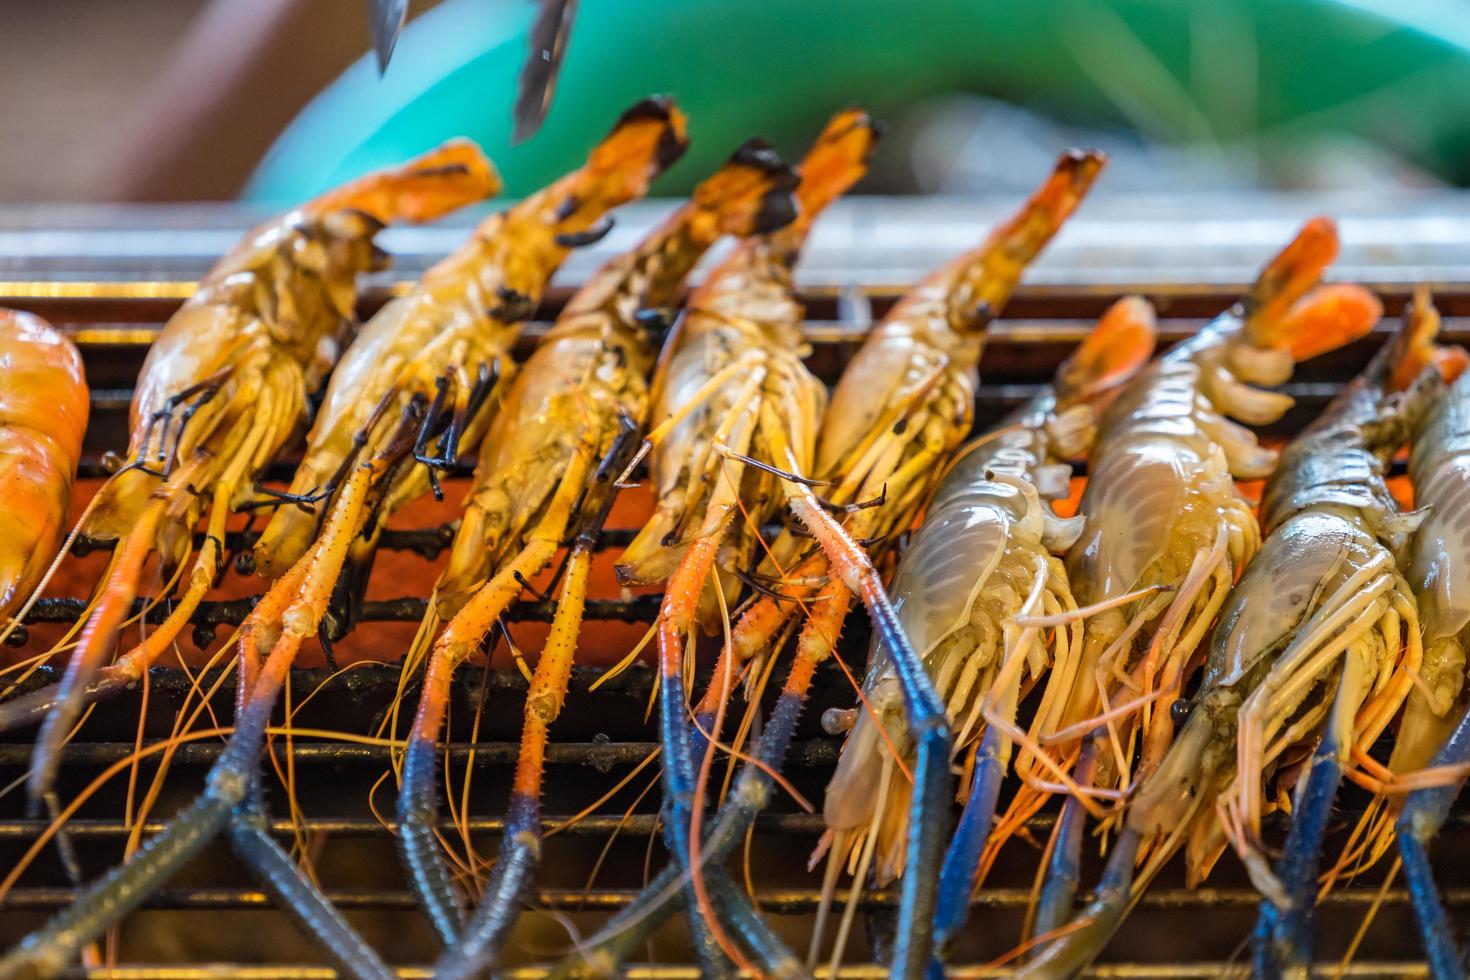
pixel 113 317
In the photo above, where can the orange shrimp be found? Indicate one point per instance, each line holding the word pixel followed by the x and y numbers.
pixel 43 414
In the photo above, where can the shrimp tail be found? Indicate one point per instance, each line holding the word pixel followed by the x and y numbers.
pixel 646 140
pixel 994 269
pixel 1287 309
pixel 1288 277
pixel 836 161
pixel 448 177
pixel 751 192
pixel 1328 317
pixel 1414 349
pixel 1120 344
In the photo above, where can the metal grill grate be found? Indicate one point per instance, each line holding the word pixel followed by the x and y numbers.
pixel 111 277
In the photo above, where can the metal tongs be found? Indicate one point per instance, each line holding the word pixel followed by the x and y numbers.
pixel 538 75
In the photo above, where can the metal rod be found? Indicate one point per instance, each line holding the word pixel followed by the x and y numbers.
pixel 779 901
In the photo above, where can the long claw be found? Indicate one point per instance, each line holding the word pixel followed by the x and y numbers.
pixel 1424 812
pixel 52 948
pixel 419 847
pixel 616 941
pixel 1434 926
pixel 928 727
pixel 1059 890
pixel 962 860
pixel 316 917
pixel 1069 954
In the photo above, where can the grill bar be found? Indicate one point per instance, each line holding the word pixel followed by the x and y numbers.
pixel 798 901
pixel 1214 970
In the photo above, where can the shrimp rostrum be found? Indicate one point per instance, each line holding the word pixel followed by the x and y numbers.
pixel 984 555
pixel 43 415
pixel 1315 652
pixel 1167 533
pixel 382 411
pixel 223 389
pixel 546 476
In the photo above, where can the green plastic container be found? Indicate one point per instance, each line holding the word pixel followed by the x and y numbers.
pixel 1270 71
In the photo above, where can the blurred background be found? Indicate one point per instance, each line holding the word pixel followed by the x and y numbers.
pixel 180 100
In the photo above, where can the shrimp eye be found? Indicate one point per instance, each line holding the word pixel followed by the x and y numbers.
pixel 1179 711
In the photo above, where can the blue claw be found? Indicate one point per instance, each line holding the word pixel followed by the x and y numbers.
pixel 1059 890
pixel 962 861
pixel 928 725
pixel 316 917
pixel 419 847
pixel 1424 813
pixel 1283 937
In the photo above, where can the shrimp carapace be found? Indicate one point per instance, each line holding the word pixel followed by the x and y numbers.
pixel 223 389
pixel 412 397
pixel 982 561
pixel 546 475
pixel 43 415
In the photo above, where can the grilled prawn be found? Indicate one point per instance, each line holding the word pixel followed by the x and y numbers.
pixel 398 410
pixel 1167 532
pixel 43 415
pixel 983 556
pixel 224 387
pixel 1310 649
pixel 1439 572
pixel 546 475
